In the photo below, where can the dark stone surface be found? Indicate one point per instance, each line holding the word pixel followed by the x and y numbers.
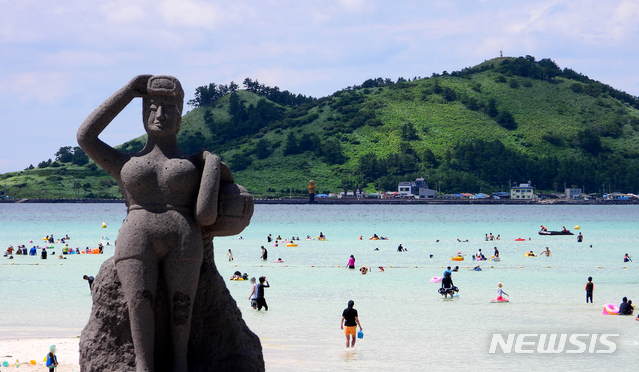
pixel 220 340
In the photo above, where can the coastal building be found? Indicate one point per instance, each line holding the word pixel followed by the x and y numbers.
pixel 416 189
pixel 523 191
pixel 426 193
pixel 573 193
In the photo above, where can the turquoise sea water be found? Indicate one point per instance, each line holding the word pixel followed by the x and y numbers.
pixel 407 324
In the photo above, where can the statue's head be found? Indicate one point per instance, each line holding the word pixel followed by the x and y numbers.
pixel 162 107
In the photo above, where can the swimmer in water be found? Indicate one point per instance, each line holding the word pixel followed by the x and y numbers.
pixel 500 292
pixel 546 252
pixel 627 258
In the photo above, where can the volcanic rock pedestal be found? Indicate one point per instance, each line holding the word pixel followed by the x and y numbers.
pixel 219 341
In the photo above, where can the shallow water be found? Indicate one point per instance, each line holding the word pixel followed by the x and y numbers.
pixel 407 325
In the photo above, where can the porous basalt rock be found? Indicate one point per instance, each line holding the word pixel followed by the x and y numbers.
pixel 220 340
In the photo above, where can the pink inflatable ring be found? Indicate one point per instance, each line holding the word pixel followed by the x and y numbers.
pixel 610 309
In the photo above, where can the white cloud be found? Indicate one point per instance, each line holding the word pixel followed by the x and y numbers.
pixel 39 87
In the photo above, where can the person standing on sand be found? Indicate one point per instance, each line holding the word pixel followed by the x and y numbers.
pixel 349 323
pixel 52 360
pixel 590 286
pixel 264 255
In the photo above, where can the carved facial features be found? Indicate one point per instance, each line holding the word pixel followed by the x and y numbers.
pixel 162 116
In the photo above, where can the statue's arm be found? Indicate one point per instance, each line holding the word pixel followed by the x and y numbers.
pixel 104 155
pixel 206 207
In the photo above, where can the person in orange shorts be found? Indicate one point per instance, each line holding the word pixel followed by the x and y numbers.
pixel 349 324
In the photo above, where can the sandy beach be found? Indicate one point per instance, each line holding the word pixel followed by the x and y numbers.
pixel 36 349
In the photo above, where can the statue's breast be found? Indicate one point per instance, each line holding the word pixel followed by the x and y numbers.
pixel 177 177
pixel 139 174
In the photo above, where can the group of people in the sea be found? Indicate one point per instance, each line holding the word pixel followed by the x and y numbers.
pixel 491 237
pixel 47 250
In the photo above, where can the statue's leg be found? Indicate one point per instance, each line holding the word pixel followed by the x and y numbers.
pixel 139 281
pixel 181 275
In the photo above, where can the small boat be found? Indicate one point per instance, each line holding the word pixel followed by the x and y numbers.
pixel 567 232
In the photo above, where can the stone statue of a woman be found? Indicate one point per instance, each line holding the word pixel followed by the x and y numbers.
pixel 172 199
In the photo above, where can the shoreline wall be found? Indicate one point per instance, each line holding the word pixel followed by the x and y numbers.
pixel 351 201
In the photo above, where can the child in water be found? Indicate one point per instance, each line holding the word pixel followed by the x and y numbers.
pixel 500 292
pixel 589 289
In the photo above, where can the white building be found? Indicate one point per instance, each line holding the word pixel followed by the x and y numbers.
pixel 523 191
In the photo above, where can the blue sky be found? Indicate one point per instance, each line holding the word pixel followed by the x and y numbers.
pixel 60 59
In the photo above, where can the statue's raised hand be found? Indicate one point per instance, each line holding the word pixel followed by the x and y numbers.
pixel 138 85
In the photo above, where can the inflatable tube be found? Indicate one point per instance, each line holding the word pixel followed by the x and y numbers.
pixel 610 309
pixel 528 254
pixel 499 300
pixel 457 258
pixel 237 280
pixel 435 279
pixel 520 240
pixel 291 245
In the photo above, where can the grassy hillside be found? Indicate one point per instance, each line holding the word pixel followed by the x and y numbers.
pixel 504 120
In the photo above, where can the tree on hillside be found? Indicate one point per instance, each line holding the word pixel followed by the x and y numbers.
pixel 590 141
pixel 369 167
pixel 291 147
pixel 309 142
pixel 240 162
pixel 64 154
pixel 491 109
pixel 262 149
pixel 506 120
pixel 332 152
pixel 79 156
pixel 408 132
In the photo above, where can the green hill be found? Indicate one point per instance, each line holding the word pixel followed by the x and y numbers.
pixel 505 120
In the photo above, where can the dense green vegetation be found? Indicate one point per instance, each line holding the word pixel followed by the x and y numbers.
pixel 505 120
